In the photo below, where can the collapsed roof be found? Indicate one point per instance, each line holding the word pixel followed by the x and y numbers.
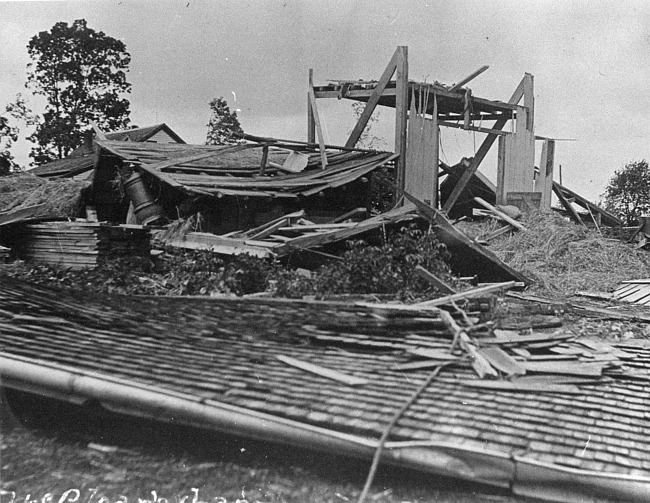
pixel 245 169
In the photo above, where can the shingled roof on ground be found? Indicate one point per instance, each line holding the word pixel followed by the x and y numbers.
pixel 231 365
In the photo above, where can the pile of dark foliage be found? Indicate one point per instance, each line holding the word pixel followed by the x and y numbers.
pixel 387 268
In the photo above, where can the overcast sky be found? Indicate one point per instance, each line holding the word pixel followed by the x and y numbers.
pixel 590 59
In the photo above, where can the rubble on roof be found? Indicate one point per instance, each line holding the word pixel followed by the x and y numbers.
pixel 335 376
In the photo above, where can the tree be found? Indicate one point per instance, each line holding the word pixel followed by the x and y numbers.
pixel 9 130
pixel 628 192
pixel 224 126
pixel 368 139
pixel 82 74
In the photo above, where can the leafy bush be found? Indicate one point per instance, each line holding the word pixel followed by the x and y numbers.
pixel 385 269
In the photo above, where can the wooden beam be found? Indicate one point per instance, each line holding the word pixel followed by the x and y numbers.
pixel 311 124
pixel 434 280
pixel 468 294
pixel 473 128
pixel 322 371
pixel 482 152
pixel 319 130
pixel 609 218
pixel 500 214
pixel 401 116
pixel 372 101
pixel 567 205
pixel 464 81
pixel 544 182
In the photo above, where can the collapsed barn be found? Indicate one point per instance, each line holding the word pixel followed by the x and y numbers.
pixel 549 415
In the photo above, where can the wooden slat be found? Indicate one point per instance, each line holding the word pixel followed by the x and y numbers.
pixel 522 387
pixel 434 280
pixel 322 371
pixel 467 79
pixel 319 129
pixel 565 368
pixel 500 214
pixel 502 361
pixel 468 294
pixel 401 115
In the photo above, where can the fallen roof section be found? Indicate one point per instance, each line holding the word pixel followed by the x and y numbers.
pixel 245 169
pixel 216 365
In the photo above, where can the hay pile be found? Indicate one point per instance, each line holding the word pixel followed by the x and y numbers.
pixel 62 198
pixel 564 258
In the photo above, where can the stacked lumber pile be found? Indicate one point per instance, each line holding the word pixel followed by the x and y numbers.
pixel 80 245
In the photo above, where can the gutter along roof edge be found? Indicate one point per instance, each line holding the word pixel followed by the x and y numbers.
pixel 525 476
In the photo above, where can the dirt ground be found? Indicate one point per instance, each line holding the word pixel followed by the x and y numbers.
pixel 58 447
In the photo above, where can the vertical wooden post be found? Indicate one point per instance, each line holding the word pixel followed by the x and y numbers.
pixel 544 183
pixel 401 116
pixel 481 153
pixel 311 123
pixel 316 120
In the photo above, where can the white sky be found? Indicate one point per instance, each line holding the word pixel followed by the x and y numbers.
pixel 590 59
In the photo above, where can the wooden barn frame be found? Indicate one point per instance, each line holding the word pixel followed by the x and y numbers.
pixel 422 108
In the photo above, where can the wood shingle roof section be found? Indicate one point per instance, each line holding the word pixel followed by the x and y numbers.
pixel 236 170
pixel 217 359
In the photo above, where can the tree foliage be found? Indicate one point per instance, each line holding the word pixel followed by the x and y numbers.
pixel 368 138
pixel 82 74
pixel 628 192
pixel 224 127
pixel 13 114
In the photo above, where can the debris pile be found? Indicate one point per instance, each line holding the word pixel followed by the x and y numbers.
pixel 564 258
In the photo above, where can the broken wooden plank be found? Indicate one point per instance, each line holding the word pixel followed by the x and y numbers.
pixel 419 365
pixel 565 368
pixel 432 353
pixel 335 375
pixel 500 214
pixel 567 205
pixel 502 361
pixel 480 365
pixel 526 339
pixel 467 79
pixel 434 280
pixel 467 257
pixel 468 294
pixel 218 244
pixel 521 386
pixel 20 214
pixel 319 129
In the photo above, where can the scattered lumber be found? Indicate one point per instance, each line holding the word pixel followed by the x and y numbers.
pixel 467 257
pixel 480 365
pixel 322 371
